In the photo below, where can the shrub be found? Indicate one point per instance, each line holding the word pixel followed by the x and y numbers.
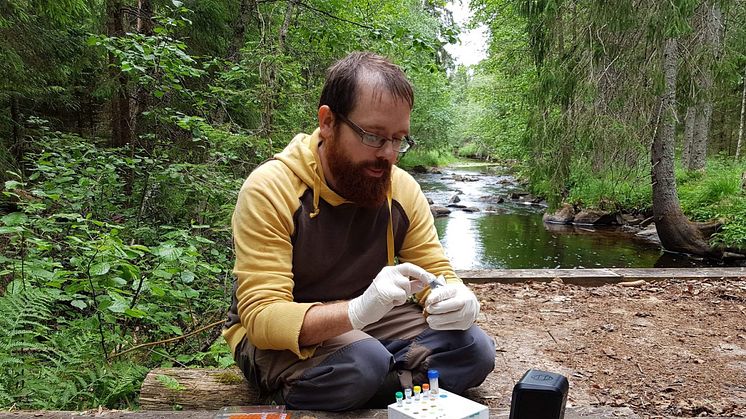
pixel 89 271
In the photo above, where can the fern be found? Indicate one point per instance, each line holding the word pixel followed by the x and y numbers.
pixel 83 375
pixel 124 385
pixel 51 365
pixel 23 331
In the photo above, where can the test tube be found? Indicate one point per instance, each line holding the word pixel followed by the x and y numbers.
pixel 399 397
pixel 408 394
pixel 417 391
pixel 436 282
pixel 426 391
pixel 432 375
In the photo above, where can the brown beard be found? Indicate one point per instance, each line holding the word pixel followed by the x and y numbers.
pixel 351 182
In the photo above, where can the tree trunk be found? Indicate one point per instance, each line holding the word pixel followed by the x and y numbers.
pixel 286 24
pixel 270 74
pixel 686 151
pixel 79 116
pixel 139 101
pixel 709 25
pixel 702 117
pixel 17 148
pixel 560 30
pixel 91 110
pixel 676 232
pixel 145 17
pixel 120 108
pixel 743 111
pixel 246 9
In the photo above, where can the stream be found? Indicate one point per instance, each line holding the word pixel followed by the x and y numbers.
pixel 489 234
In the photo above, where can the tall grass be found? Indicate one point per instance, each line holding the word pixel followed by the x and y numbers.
pixel 426 158
pixel 715 193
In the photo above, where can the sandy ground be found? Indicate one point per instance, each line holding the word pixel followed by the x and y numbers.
pixel 668 348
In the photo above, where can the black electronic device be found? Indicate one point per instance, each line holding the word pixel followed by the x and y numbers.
pixel 539 395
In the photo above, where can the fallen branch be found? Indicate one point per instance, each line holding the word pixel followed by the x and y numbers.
pixel 143 345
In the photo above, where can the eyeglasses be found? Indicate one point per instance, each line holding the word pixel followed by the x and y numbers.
pixel 372 140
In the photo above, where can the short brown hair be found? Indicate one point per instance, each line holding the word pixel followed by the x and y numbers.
pixel 343 78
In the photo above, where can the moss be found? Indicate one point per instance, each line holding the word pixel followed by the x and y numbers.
pixel 228 377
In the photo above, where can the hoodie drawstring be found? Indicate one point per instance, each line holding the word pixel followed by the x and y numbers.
pixel 390 233
pixel 316 186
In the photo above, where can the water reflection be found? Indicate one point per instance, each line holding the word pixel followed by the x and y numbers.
pixel 461 240
pixel 513 235
pixel 521 241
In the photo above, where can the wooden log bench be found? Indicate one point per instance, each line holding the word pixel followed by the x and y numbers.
pixel 208 390
pixel 196 389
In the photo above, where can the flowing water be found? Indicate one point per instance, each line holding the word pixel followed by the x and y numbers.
pixel 511 234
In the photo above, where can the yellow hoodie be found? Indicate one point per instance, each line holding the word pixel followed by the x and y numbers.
pixel 298 243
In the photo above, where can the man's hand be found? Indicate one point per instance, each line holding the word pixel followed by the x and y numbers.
pixel 391 287
pixel 451 307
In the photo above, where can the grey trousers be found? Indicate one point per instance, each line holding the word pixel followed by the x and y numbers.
pixel 346 371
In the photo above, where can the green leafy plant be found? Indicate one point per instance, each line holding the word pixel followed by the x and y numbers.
pixel 107 274
pixel 170 382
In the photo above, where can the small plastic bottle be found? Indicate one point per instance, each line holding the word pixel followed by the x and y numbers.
pixel 399 398
pixel 432 375
pixel 408 394
pixel 417 391
pixel 425 391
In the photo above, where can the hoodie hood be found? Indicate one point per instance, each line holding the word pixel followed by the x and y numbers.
pixel 302 157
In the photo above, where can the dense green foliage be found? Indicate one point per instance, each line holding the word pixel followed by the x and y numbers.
pixel 493 96
pixel 108 275
pixel 125 140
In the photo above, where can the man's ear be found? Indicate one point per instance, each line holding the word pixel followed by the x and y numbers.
pixel 326 121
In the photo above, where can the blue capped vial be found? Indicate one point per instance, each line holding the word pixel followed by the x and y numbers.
pixel 432 376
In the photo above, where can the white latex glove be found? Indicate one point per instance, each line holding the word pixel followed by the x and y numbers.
pixel 451 307
pixel 391 287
